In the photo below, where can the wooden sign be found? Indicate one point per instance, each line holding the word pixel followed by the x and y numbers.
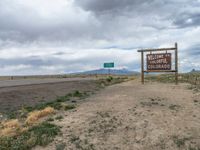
pixel 159 61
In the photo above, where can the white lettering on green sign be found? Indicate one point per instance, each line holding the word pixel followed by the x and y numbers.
pixel 109 65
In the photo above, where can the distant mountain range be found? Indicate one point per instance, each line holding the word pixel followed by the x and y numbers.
pixel 112 71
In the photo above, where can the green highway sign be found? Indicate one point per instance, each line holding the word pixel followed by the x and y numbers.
pixel 109 65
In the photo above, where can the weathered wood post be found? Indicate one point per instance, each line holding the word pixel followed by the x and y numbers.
pixel 142 67
pixel 176 62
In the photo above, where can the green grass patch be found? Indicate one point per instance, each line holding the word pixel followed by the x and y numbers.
pixel 63 98
pixel 69 107
pixel 59 117
pixel 77 94
pixel 109 79
pixel 12 115
pixel 50 119
pixel 180 142
pixel 41 134
pixel 57 104
pixel 60 146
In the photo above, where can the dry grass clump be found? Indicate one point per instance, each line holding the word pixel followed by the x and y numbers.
pixel 33 117
pixel 11 128
pixel 14 123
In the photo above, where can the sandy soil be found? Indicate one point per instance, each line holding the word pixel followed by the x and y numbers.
pixel 131 116
pixel 13 98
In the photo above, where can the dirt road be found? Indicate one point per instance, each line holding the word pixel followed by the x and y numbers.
pixel 131 116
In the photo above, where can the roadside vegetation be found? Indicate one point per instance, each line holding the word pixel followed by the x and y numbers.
pixel 33 125
pixel 41 134
pixel 192 78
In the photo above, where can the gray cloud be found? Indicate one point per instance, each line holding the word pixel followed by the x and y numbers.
pixel 24 25
pixel 194 51
pixel 187 20
pixel 46 30
pixel 109 5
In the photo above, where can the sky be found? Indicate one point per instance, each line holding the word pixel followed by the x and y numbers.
pixel 65 36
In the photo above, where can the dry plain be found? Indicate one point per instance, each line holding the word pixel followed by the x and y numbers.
pixel 131 116
pixel 124 116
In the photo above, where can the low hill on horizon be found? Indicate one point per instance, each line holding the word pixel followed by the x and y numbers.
pixel 106 71
pixel 194 71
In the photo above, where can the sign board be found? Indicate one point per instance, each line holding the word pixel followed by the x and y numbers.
pixel 159 61
pixel 109 65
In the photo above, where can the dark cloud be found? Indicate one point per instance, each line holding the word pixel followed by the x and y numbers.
pixel 187 20
pixel 111 21
pixel 109 5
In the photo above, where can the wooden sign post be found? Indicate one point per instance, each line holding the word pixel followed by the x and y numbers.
pixel 159 62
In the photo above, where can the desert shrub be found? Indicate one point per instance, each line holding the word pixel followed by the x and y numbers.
pixel 59 117
pixel 57 104
pixel 60 146
pixel 77 94
pixel 109 79
pixel 63 98
pixel 179 141
pixel 41 134
pixel 50 119
pixel 69 107
pixel 12 115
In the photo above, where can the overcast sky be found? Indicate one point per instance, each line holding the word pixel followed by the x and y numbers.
pixel 63 36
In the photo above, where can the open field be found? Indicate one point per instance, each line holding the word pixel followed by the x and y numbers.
pixel 130 116
pixel 192 78
pixel 27 116
pixel 100 114
pixel 35 81
pixel 15 94
pixel 13 98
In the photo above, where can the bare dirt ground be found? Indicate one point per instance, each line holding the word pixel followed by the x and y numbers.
pixel 15 97
pixel 20 82
pixel 131 116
